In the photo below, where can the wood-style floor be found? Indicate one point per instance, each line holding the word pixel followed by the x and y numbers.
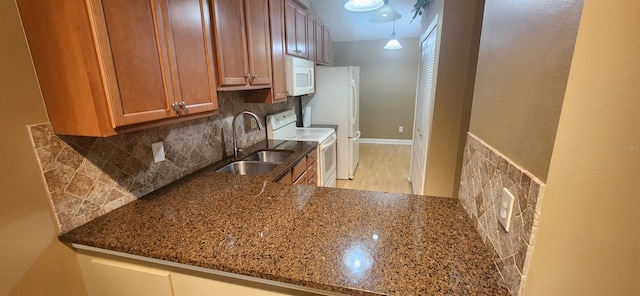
pixel 381 168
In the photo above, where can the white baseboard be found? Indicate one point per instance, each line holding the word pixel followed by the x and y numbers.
pixel 385 141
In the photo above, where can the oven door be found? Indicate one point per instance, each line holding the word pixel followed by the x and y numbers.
pixel 327 161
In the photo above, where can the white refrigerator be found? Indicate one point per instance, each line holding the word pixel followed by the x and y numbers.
pixel 336 102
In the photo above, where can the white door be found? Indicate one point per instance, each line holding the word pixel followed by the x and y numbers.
pixel 424 108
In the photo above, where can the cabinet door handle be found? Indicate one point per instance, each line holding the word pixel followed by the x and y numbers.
pixel 255 76
pixel 175 106
pixel 248 77
pixel 183 105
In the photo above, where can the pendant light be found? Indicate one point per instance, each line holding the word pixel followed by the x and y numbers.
pixel 363 5
pixel 393 43
pixel 385 14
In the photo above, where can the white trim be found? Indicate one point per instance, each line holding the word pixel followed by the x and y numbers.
pixel 385 141
pixel 205 270
pixel 432 25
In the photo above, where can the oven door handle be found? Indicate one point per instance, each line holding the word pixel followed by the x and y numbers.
pixel 329 142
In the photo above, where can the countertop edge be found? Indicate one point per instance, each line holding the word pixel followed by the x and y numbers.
pixel 210 271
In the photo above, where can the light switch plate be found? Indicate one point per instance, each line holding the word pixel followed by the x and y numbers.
pixel 158 152
pixel 505 209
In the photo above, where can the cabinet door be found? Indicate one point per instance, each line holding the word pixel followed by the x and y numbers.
pixel 311 40
pixel 301 33
pixel 290 11
pixel 138 85
pixel 319 56
pixel 276 18
pixel 231 47
pixel 258 41
pixel 104 277
pixel 193 64
pixel 326 47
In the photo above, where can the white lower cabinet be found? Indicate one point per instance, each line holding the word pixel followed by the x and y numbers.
pixel 105 277
pixel 108 275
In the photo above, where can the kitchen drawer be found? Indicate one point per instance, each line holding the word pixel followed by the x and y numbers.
pixel 286 179
pixel 299 169
pixel 312 178
pixel 302 180
pixel 312 157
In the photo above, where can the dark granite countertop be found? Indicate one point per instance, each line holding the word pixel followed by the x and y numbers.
pixel 345 241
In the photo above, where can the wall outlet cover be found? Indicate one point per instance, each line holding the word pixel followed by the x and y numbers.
pixel 401 129
pixel 158 152
pixel 505 209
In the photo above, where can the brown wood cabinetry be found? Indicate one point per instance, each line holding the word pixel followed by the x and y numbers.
pixel 286 179
pixel 312 167
pixel 303 172
pixel 322 44
pixel 311 40
pixel 104 66
pixel 295 19
pixel 243 44
pixel 326 45
pixel 278 91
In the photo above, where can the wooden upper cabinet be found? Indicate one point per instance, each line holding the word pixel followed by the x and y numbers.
pixel 322 44
pixel 326 45
pixel 259 41
pixel 301 32
pixel 295 29
pixel 139 90
pixel 231 45
pixel 276 20
pixel 278 91
pixel 243 44
pixel 194 66
pixel 311 41
pixel 319 53
pixel 105 66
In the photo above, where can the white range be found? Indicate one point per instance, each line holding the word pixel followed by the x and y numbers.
pixel 282 126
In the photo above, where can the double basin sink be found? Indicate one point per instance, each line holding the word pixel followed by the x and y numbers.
pixel 258 163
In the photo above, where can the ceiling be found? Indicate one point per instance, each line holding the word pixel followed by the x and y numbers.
pixel 350 26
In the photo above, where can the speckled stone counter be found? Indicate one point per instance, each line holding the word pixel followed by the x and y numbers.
pixel 345 241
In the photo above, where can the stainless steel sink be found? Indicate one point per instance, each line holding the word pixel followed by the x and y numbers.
pixel 244 167
pixel 270 156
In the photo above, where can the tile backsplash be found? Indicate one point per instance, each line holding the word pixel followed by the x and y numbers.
pixel 87 177
pixel 484 173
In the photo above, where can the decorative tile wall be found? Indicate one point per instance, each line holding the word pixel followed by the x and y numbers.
pixel 484 173
pixel 87 177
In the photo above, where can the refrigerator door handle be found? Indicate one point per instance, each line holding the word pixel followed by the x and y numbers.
pixel 354 102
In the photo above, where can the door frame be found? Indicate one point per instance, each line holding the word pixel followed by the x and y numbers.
pixel 433 25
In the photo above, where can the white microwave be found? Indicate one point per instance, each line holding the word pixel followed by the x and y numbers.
pixel 300 76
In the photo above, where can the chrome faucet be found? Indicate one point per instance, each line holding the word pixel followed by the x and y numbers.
pixel 233 130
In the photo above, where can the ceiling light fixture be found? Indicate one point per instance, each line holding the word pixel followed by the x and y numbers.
pixel 393 43
pixel 385 14
pixel 363 5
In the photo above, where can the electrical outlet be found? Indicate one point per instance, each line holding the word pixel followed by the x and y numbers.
pixel 158 152
pixel 505 209
pixel 401 129
pixel 253 124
